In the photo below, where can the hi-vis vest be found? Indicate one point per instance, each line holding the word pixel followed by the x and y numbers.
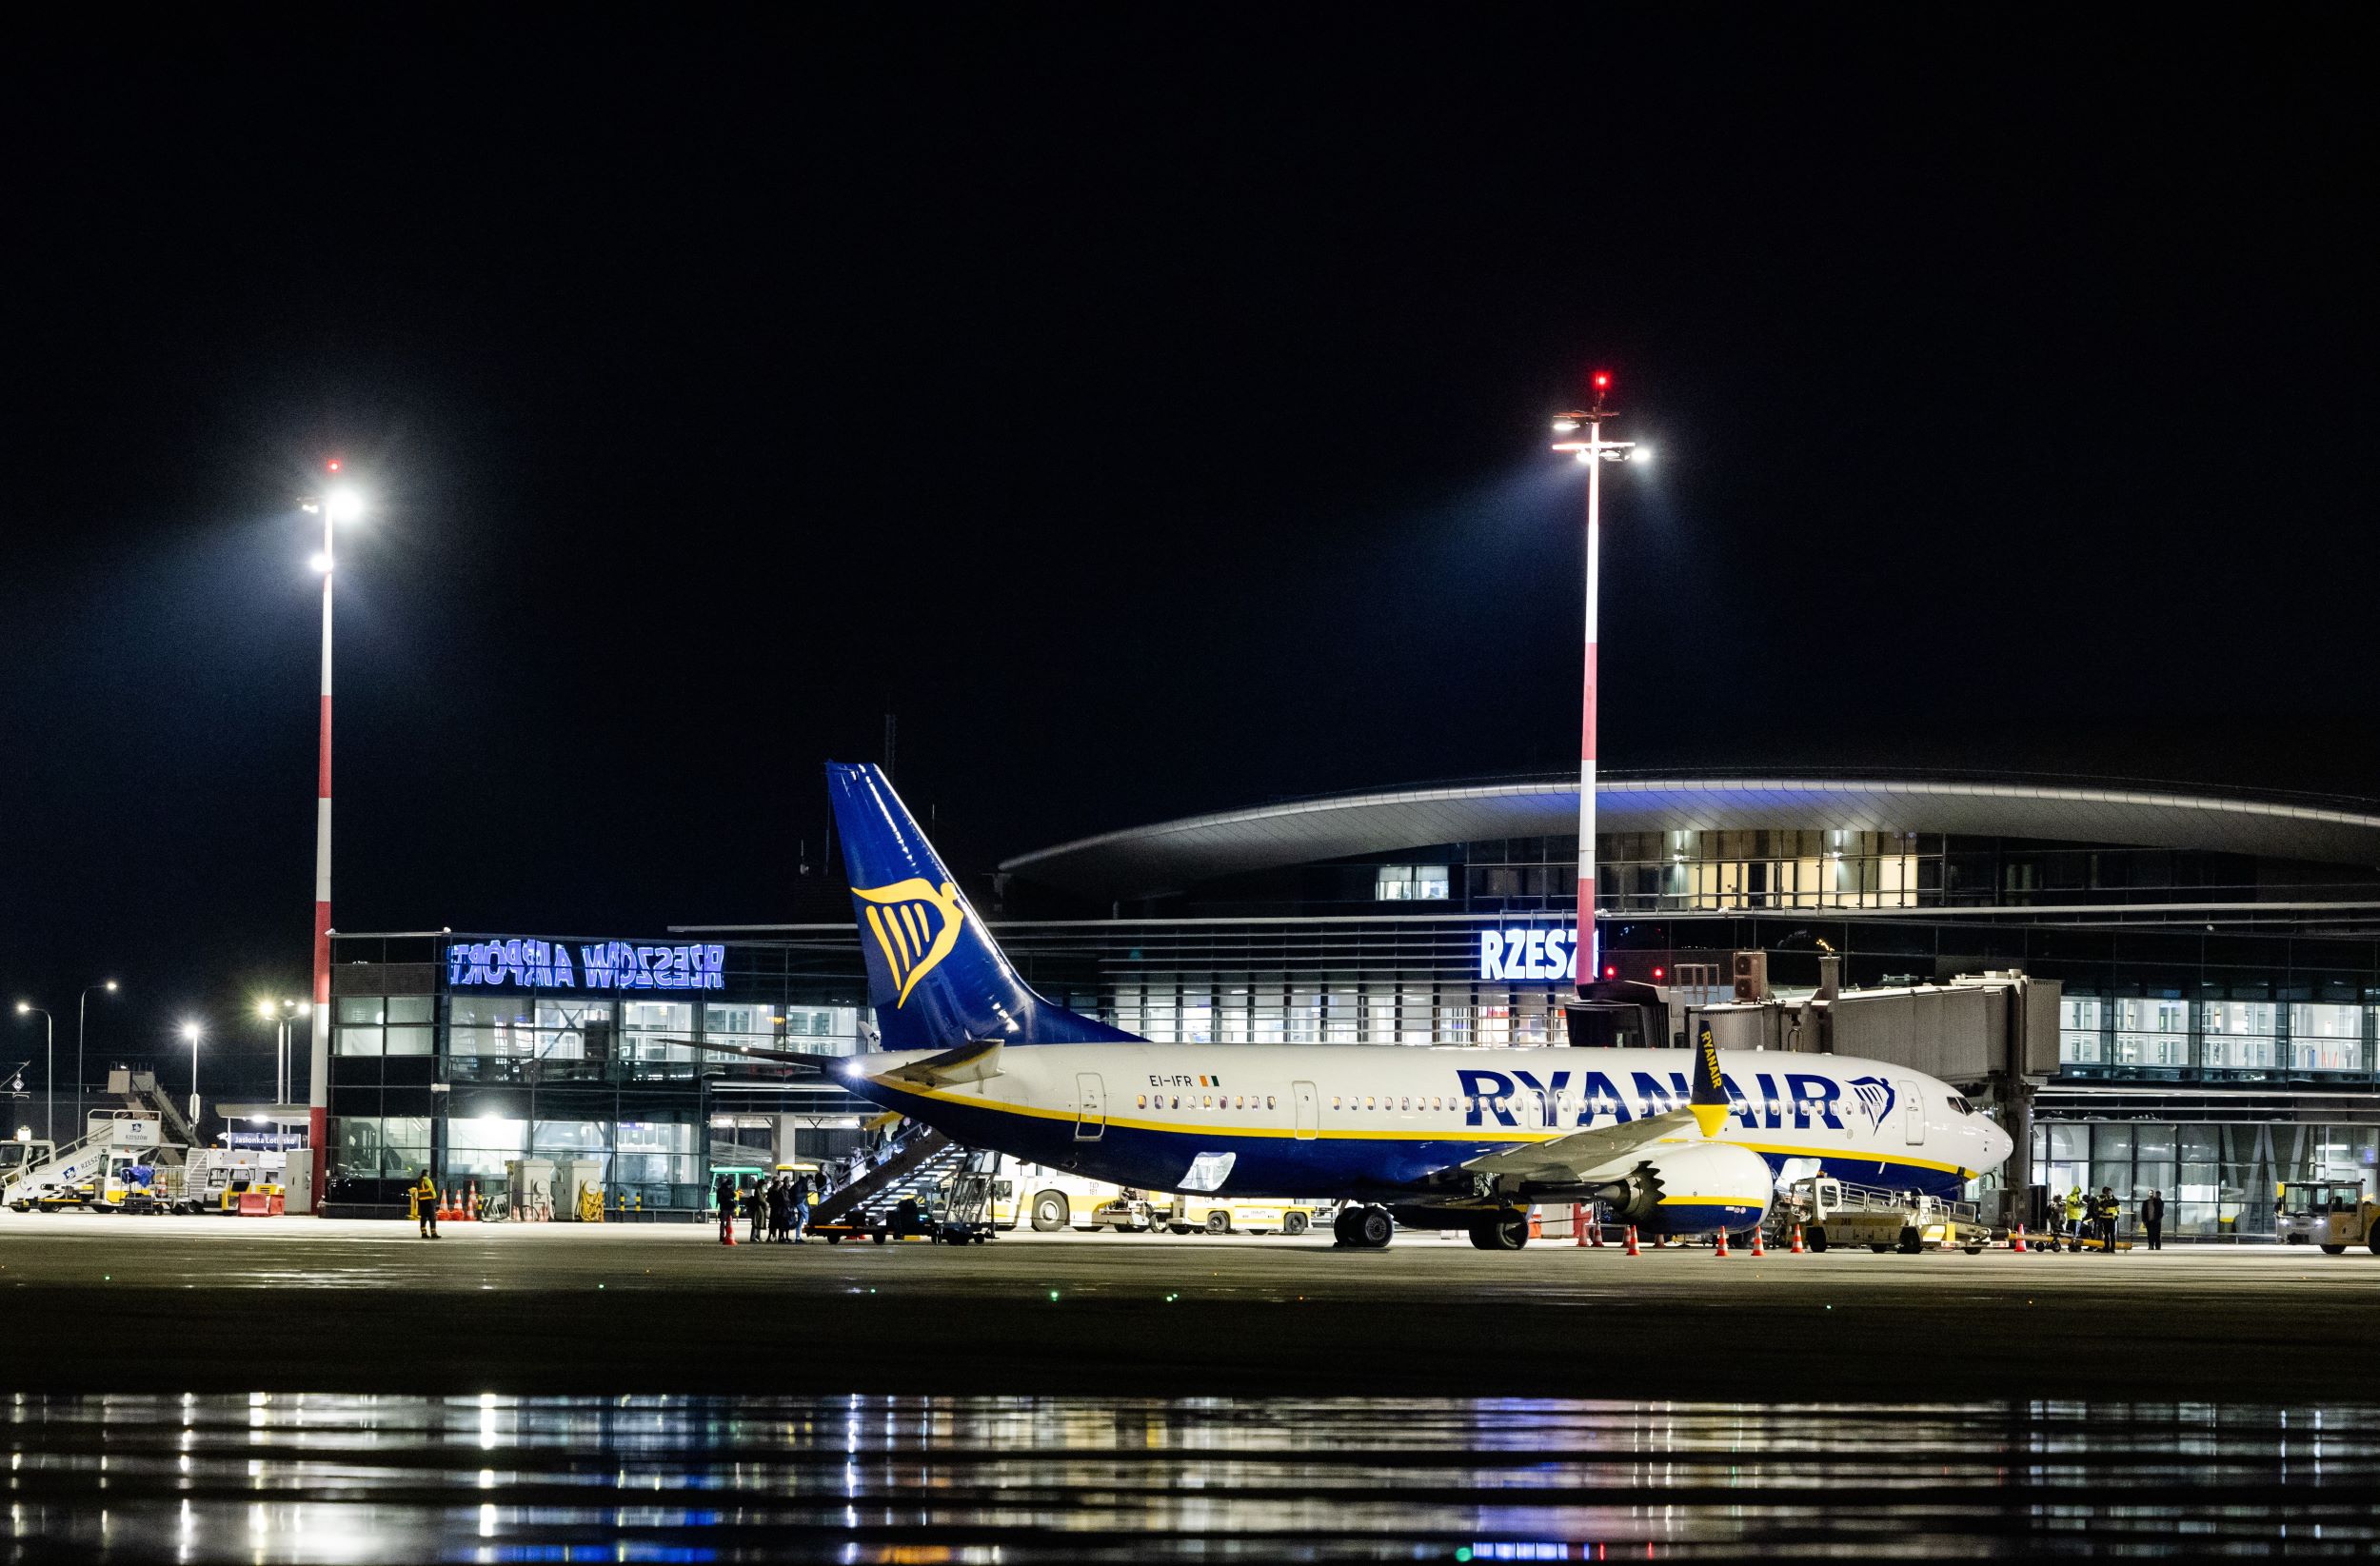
pixel 2074 1206
pixel 425 1196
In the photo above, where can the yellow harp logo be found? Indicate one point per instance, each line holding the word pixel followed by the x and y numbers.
pixel 915 924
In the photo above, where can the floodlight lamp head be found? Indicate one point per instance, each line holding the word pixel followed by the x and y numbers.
pixel 345 505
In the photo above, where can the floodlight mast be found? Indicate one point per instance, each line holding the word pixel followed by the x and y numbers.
pixel 338 503
pixel 1594 451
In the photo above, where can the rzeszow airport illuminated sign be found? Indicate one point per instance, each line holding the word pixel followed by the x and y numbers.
pixel 1532 951
pixel 600 966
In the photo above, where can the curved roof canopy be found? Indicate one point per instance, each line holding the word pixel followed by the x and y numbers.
pixel 1168 856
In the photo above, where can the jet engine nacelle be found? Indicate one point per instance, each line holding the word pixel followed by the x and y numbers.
pixel 1710 1185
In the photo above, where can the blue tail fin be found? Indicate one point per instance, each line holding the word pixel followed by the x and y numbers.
pixel 935 975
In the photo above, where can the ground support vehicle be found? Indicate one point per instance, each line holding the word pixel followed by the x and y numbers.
pixel 117 1167
pixel 231 1180
pixel 2332 1214
pixel 1048 1201
pixel 1834 1213
pixel 1187 1213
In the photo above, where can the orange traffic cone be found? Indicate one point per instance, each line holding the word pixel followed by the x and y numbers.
pixel 2018 1243
pixel 1757 1249
pixel 446 1207
pixel 1594 1226
pixel 1537 1224
pixel 470 1204
pixel 1632 1241
pixel 1799 1248
pixel 1722 1245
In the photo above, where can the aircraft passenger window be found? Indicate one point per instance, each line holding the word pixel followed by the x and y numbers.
pixel 1404 1103
pixel 1140 1102
pixel 1369 1103
pixel 1334 1100
pixel 1268 1100
pixel 1207 1103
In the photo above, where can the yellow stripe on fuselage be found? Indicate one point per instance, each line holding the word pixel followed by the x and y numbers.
pixel 1501 1138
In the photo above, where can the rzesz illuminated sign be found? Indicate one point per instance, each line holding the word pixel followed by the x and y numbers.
pixel 600 966
pixel 1526 952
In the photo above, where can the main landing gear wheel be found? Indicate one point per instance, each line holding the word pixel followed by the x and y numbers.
pixel 1507 1230
pixel 1374 1229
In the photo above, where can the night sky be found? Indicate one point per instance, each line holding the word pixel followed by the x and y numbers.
pixel 1146 405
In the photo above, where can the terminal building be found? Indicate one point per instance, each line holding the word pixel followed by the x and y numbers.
pixel 2216 954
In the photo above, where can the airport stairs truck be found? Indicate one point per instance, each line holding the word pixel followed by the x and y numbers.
pixel 916 1174
pixel 97 1172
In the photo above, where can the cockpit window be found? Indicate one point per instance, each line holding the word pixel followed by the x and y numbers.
pixel 1961 1104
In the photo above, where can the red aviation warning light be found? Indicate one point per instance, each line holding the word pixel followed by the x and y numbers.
pixel 1602 380
pixel 334 465
pixel 1658 974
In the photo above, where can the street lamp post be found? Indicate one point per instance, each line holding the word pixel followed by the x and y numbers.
pixel 82 1005
pixel 336 505
pixel 190 1031
pixel 281 1013
pixel 1594 451
pixel 49 1070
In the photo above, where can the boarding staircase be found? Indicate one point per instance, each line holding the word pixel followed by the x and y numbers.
pixel 919 1165
pixel 139 1091
pixel 52 1172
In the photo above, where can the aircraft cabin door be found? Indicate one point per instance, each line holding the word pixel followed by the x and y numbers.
pixel 1309 1111
pixel 1912 1115
pixel 1544 1101
pixel 1090 1121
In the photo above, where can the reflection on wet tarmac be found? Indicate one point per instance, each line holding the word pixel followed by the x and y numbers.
pixel 1021 1479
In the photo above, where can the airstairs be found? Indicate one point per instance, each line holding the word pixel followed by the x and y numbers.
pixel 919 1165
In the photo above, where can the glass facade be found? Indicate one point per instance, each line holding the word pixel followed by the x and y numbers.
pixel 2221 1180
pixel 466 1053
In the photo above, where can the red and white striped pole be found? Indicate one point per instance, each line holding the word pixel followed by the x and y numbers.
pixel 1583 947
pixel 318 1091
pixel 1593 450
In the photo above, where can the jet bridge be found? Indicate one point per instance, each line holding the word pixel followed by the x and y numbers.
pixel 1993 1034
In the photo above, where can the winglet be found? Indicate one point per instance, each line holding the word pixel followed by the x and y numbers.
pixel 1709 1098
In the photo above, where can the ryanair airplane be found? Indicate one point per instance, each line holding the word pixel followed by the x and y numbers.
pixel 1676 1141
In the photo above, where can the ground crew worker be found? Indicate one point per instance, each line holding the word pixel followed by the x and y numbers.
pixel 425 1194
pixel 2074 1206
pixel 2152 1219
pixel 797 1197
pixel 780 1212
pixel 2106 1210
pixel 724 1194
pixel 756 1204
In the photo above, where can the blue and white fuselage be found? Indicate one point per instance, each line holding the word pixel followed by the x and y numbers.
pixel 1677 1140
pixel 1383 1121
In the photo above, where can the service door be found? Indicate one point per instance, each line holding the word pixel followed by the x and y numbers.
pixel 1309 1111
pixel 1090 1121
pixel 1912 1115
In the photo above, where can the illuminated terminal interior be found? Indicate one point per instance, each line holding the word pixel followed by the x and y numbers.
pixel 2219 957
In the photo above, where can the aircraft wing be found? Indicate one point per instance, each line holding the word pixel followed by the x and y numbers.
pixel 1571 1158
pixel 780 1057
pixel 970 1063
